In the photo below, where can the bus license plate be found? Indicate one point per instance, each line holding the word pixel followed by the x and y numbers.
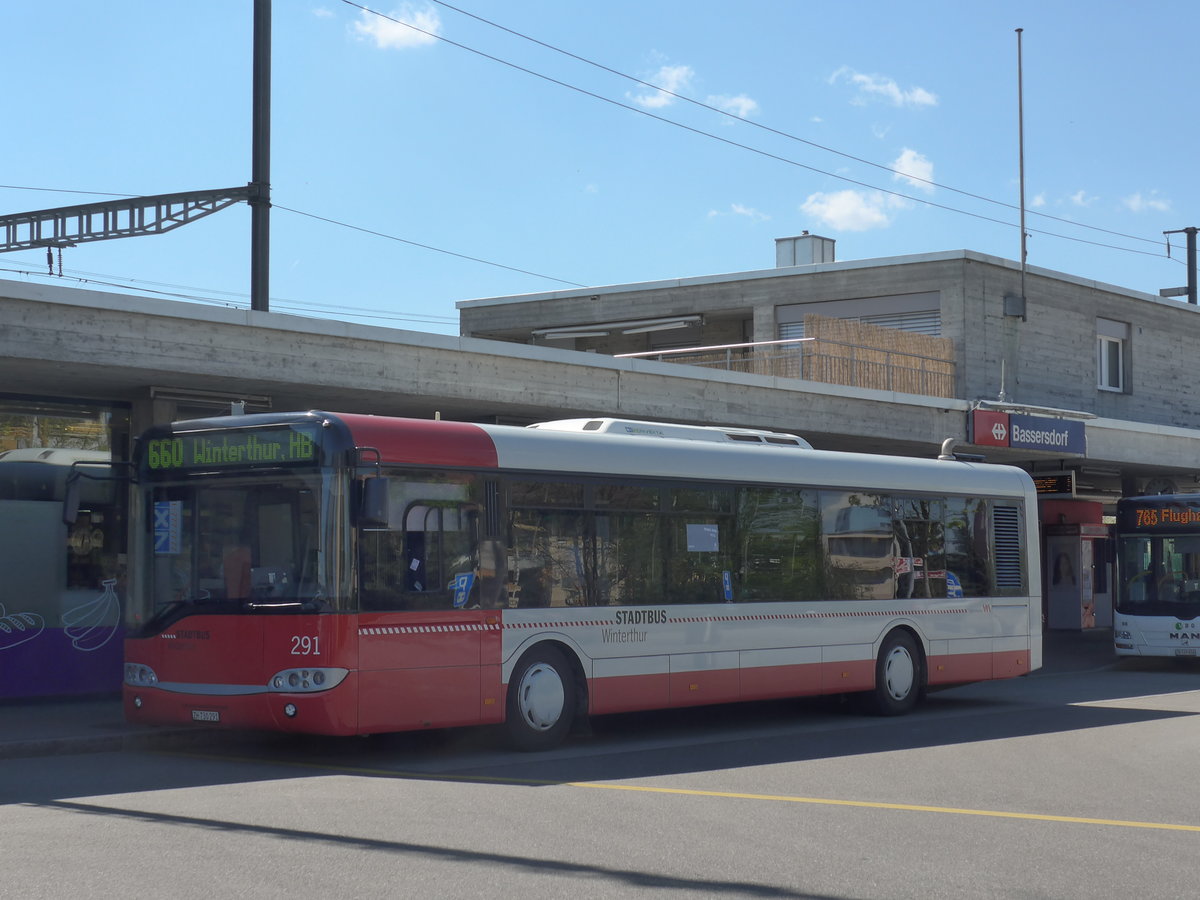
pixel 205 715
pixel 1185 651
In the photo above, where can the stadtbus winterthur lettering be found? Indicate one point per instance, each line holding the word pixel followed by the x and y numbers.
pixel 190 451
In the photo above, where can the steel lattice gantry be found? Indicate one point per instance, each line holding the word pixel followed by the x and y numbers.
pixel 156 214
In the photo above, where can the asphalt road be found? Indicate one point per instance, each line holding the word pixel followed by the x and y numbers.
pixel 1065 785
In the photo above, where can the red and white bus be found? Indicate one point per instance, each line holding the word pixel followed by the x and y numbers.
pixel 351 574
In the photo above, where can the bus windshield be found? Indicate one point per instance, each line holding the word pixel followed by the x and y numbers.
pixel 1161 575
pixel 247 544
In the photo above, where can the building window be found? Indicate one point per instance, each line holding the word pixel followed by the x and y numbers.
pixel 1112 342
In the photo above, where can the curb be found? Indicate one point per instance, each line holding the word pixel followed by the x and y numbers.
pixel 108 743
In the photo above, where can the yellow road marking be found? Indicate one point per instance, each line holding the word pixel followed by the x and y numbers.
pixel 906 807
pixel 687 792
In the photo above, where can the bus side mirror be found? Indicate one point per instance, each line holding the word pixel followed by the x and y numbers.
pixel 373 510
pixel 70 510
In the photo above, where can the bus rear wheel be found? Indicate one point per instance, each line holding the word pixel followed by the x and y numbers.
pixel 540 706
pixel 898 675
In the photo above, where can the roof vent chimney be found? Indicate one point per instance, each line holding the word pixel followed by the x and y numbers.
pixel 803 250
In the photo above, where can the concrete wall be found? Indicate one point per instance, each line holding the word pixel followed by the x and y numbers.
pixel 84 344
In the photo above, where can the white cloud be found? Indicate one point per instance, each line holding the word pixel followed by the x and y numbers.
pixel 749 212
pixel 1080 198
pixel 739 209
pixel 397 35
pixel 741 106
pixel 322 13
pixel 915 169
pixel 849 210
pixel 669 78
pixel 1038 201
pixel 1140 203
pixel 877 87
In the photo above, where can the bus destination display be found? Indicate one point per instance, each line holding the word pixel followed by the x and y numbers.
pixel 1134 516
pixel 261 447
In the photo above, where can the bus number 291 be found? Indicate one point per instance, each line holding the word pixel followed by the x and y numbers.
pixel 303 645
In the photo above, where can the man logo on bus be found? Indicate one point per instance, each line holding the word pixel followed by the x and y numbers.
pixel 999 431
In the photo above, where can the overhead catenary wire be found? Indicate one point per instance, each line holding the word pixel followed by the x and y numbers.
pixel 401 240
pixel 1156 242
pixel 915 199
pixel 759 151
pixel 751 123
pixel 231 300
pixel 21 187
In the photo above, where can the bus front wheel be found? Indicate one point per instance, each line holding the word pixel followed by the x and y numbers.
pixel 541 700
pixel 897 675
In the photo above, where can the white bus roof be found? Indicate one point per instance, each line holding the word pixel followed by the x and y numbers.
pixel 629 454
pixel 56 455
pixel 637 428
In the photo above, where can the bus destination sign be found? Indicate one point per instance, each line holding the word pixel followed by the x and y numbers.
pixel 208 450
pixel 1140 515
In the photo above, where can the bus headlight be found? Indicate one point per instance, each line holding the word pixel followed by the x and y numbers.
pixel 138 675
pixel 1123 635
pixel 306 681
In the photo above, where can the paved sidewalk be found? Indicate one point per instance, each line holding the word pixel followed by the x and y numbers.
pixel 1076 651
pixel 96 725
pixel 82 725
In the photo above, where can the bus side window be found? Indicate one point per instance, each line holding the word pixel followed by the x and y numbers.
pixel 629 559
pixel 415 568
pixel 549 551
pixel 860 546
pixel 921 557
pixel 780 549
pixel 439 554
pixel 966 534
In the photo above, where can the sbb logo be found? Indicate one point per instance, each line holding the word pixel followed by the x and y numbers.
pixel 990 428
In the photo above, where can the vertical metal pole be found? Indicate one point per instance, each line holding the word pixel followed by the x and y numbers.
pixel 1191 264
pixel 260 177
pixel 1021 152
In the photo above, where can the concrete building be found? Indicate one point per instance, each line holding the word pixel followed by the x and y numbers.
pixel 1092 370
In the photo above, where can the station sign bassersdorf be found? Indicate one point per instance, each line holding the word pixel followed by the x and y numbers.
pixel 993 428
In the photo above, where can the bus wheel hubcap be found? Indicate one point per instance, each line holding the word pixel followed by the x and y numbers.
pixel 541 697
pixel 899 673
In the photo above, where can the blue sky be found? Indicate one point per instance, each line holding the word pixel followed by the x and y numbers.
pixel 410 172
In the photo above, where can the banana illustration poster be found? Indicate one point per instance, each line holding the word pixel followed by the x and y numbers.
pixel 48 652
pixel 91 625
pixel 88 626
